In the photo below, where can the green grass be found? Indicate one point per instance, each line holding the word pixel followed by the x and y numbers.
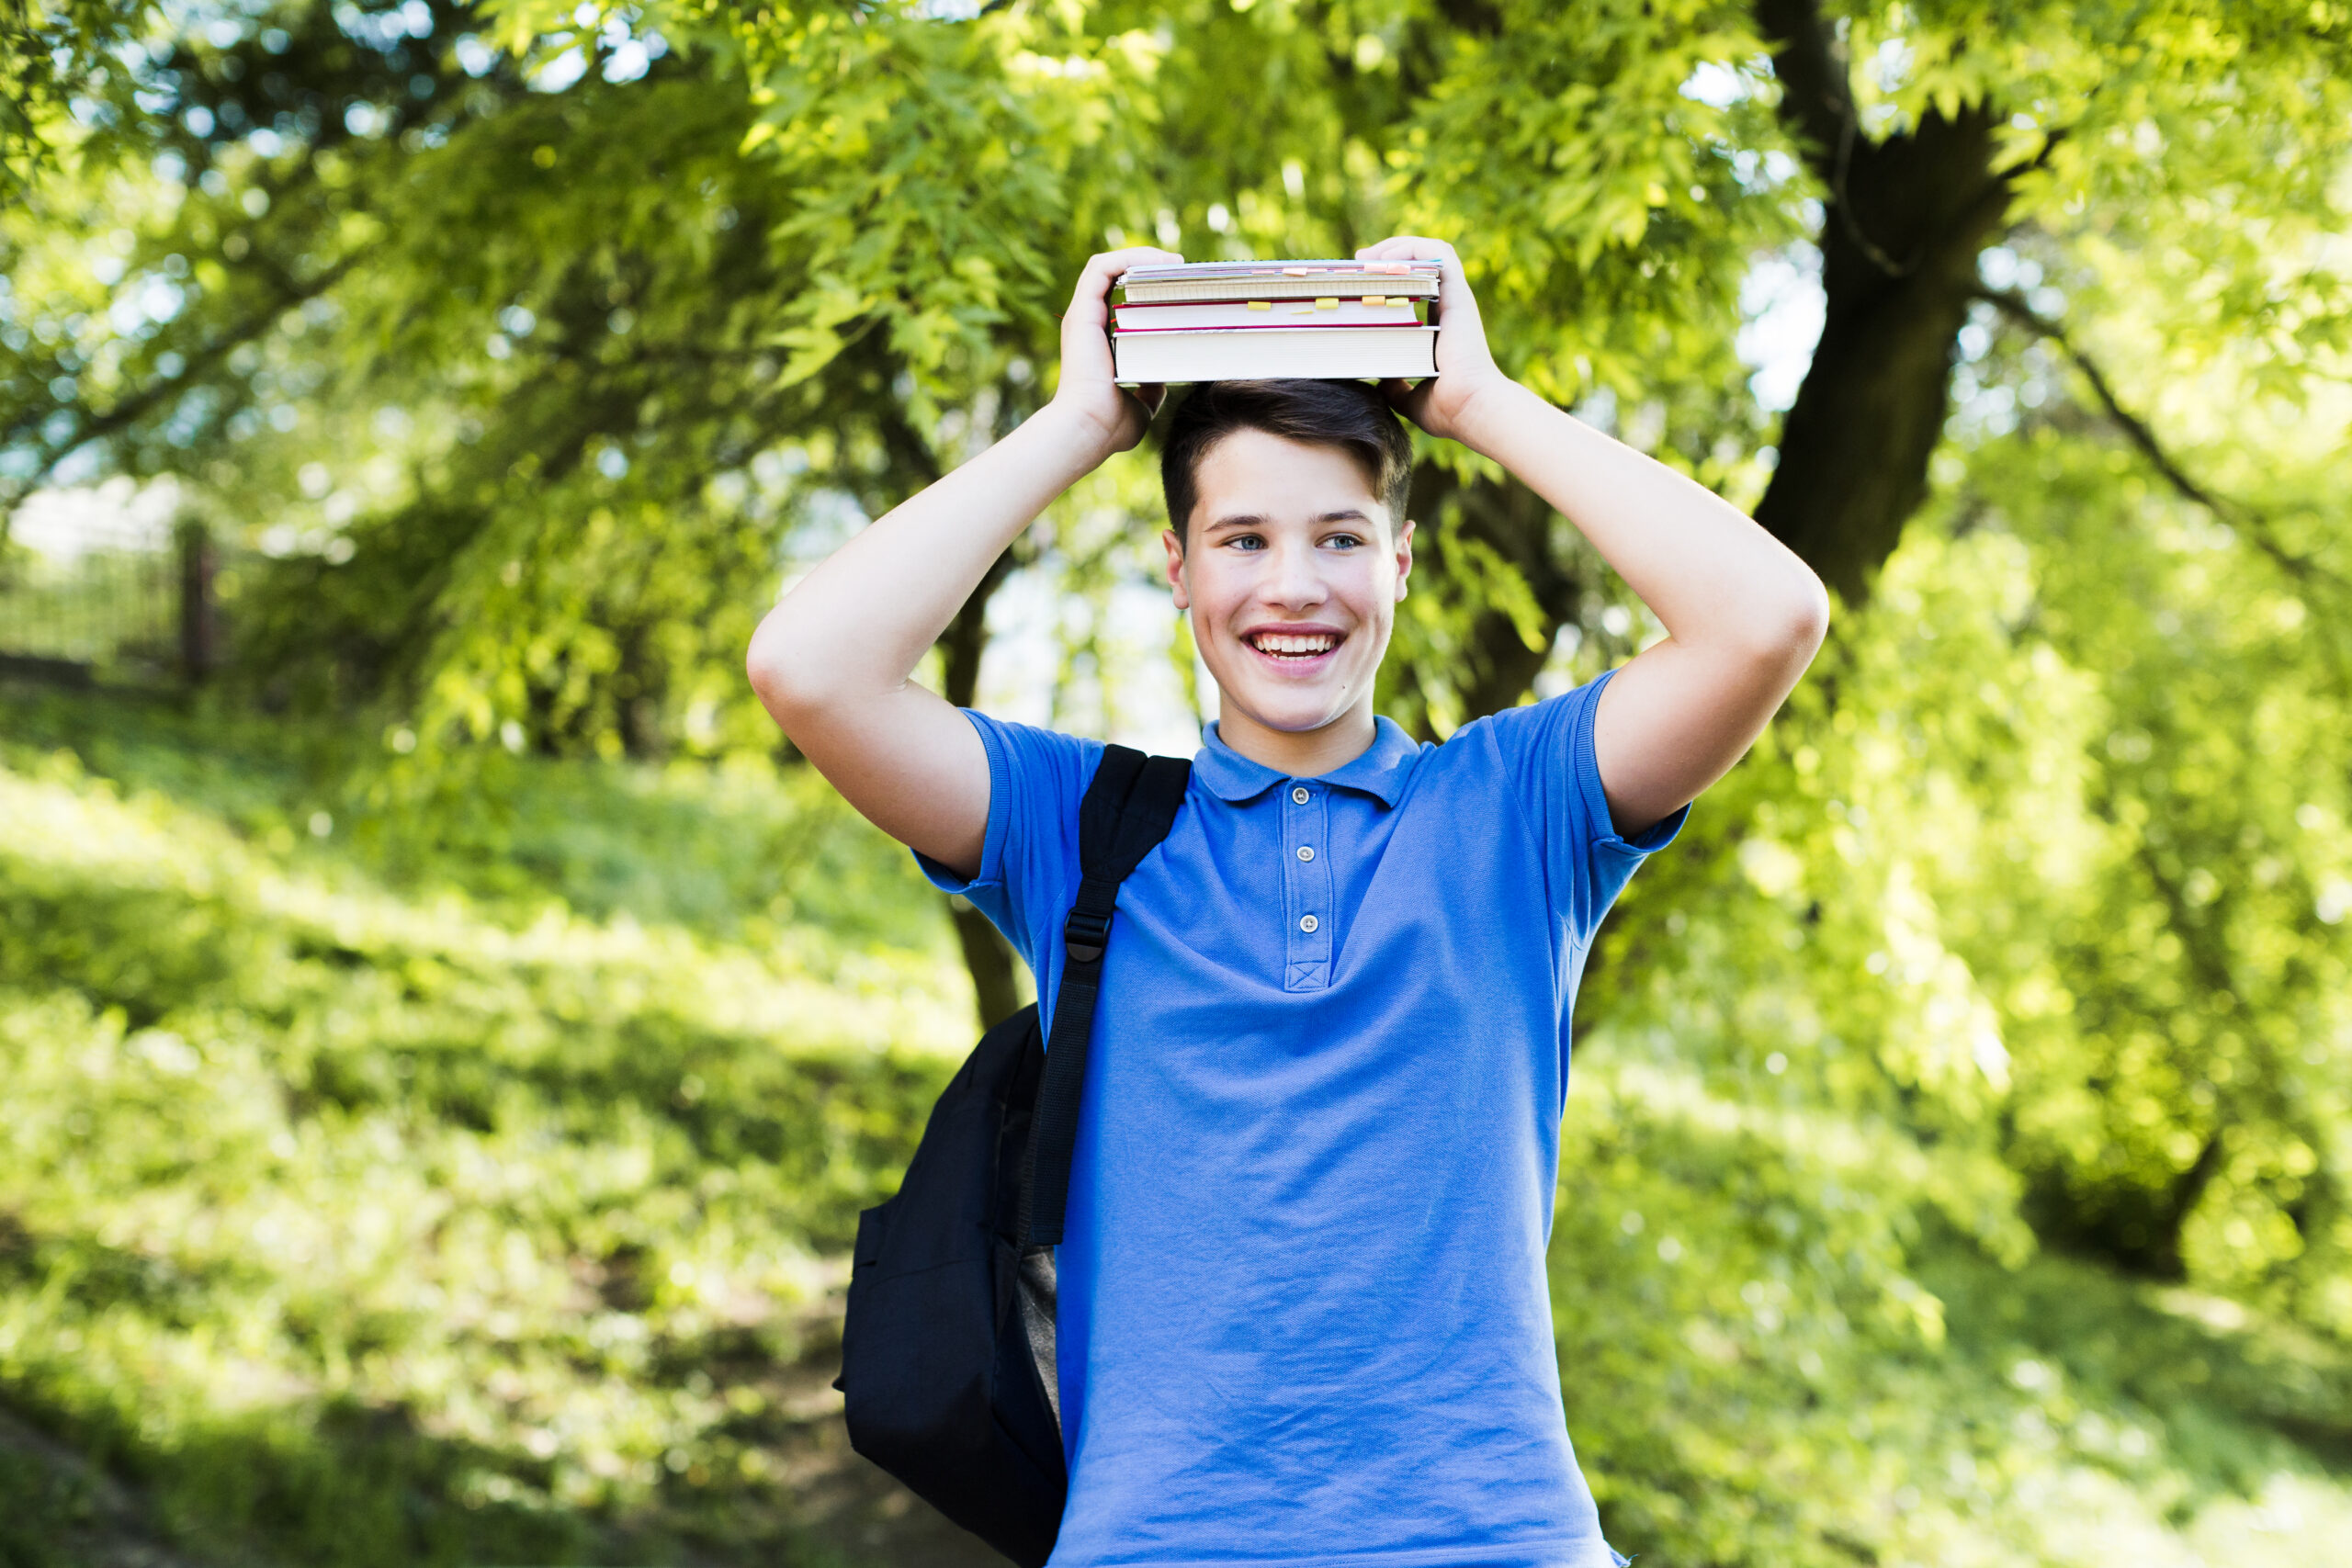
pixel 420 1172
pixel 1781 1343
pixel 380 1205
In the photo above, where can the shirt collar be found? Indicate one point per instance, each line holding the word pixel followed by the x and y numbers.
pixel 1381 771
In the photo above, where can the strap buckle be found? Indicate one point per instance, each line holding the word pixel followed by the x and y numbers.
pixel 1085 934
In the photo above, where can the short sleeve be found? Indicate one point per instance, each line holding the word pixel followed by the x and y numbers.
pixel 1029 866
pixel 1546 752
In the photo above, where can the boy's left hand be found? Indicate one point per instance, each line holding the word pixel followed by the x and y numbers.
pixel 1466 367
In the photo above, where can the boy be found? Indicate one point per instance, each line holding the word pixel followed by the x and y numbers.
pixel 1304 1317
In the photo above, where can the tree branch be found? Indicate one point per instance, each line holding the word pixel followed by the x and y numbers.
pixel 1818 100
pixel 1818 94
pixel 1814 92
pixel 132 407
pixel 2017 308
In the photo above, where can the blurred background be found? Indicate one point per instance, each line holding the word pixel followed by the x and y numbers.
pixel 448 1034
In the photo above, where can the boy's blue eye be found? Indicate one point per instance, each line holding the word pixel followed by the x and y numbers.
pixel 1255 543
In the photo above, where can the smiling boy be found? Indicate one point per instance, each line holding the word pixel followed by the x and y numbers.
pixel 1304 1317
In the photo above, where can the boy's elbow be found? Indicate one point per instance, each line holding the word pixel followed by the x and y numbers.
pixel 1808 616
pixel 778 674
pixel 1788 632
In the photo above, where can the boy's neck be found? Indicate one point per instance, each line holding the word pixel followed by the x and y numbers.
pixel 1300 754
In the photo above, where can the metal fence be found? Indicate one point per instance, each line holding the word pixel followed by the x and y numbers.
pixel 106 585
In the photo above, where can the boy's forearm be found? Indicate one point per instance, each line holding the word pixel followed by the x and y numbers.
pixel 859 622
pixel 1708 572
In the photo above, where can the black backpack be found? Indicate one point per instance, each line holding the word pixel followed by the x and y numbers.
pixel 948 1354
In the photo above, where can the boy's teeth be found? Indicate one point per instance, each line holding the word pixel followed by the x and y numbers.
pixel 1274 642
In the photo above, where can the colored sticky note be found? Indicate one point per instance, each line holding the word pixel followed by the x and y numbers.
pixel 1261 304
pixel 1327 304
pixel 1376 299
pixel 1294 272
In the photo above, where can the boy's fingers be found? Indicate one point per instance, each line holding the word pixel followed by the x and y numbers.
pixel 1113 262
pixel 1408 247
pixel 1405 397
pixel 1131 255
pixel 1105 265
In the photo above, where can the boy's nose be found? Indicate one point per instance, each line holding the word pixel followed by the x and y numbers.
pixel 1293 578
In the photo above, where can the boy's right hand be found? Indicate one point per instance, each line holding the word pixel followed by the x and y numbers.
pixel 1088 391
pixel 832 660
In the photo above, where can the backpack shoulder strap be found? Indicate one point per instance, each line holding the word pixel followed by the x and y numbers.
pixel 1129 810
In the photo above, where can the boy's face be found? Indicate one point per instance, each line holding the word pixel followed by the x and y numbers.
pixel 1292 572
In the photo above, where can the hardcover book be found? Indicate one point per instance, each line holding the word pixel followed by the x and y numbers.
pixel 1263 353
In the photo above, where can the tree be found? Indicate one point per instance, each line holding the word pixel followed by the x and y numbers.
pixel 69 75
pixel 576 322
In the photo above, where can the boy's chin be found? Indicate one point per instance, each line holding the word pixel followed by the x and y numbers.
pixel 1290 713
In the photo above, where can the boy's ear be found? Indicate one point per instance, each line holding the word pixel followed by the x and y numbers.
pixel 1175 547
pixel 1403 558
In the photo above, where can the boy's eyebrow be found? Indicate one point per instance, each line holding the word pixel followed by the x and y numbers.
pixel 1251 520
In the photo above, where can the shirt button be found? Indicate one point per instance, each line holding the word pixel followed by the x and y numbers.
pixel 1306 924
pixel 1306 852
pixel 1298 793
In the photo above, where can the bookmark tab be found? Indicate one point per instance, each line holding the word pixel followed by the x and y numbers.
pixel 1327 304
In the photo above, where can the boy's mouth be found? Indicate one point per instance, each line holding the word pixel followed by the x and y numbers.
pixel 1294 647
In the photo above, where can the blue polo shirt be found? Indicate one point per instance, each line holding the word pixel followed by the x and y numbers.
pixel 1304 1316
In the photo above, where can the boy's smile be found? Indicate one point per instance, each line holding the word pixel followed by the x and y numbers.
pixel 1294 649
pixel 1292 571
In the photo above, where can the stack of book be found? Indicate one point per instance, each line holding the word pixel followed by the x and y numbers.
pixel 1261 321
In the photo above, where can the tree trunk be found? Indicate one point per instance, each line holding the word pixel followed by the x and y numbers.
pixel 1516 524
pixel 1456 518
pixel 1903 220
pixel 994 966
pixel 995 980
pixel 199 629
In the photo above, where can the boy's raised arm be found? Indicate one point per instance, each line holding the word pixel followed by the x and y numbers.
pixel 1743 614
pixel 831 662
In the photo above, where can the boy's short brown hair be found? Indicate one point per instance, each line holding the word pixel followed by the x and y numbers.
pixel 1352 416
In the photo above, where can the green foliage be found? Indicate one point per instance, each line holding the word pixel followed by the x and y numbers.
pixel 1904 983
pixel 68 83
pixel 412 1103
pixel 2045 901
pixel 526 335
